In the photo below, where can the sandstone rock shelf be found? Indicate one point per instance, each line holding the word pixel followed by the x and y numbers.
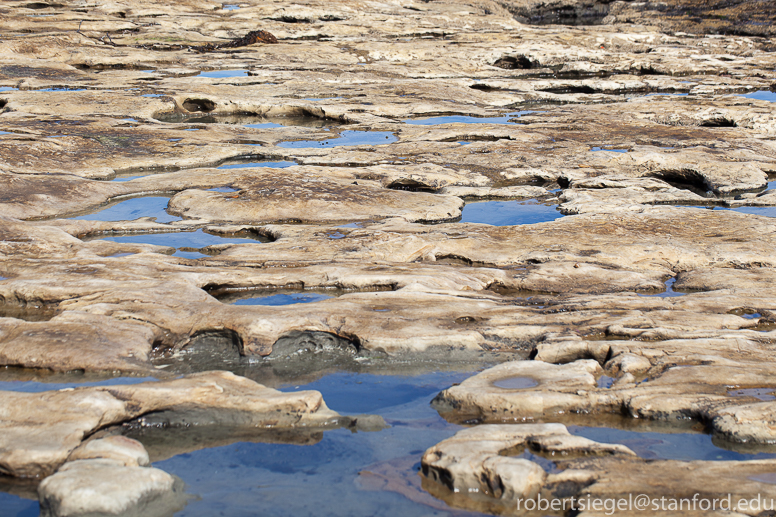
pixel 380 160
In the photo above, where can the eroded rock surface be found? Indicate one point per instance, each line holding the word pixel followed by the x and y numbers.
pixel 41 430
pixel 110 476
pixel 106 487
pixel 342 145
pixel 490 467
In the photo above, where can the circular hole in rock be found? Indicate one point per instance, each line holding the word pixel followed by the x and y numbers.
pixel 516 383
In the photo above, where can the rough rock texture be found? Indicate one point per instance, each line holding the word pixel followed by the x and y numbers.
pixel 35 444
pixel 721 381
pixel 736 17
pixel 489 467
pixel 119 448
pixel 106 487
pixel 377 118
pixel 109 476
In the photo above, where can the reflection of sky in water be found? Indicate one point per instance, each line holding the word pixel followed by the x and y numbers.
pixel 667 94
pixel 61 90
pixel 763 95
pixel 462 119
pixel 131 209
pixel 766 211
pixel 335 475
pixel 669 292
pixel 506 213
pixel 265 125
pixel 216 74
pixel 346 138
pixel 37 387
pixel 596 149
pixel 283 299
pixel 344 473
pixel 197 239
pixel 675 446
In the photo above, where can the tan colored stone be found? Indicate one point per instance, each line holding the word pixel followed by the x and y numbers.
pixel 42 429
pixel 108 487
pixel 119 448
pixel 568 290
pixel 583 469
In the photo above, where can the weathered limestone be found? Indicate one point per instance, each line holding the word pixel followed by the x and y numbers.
pixel 714 380
pixel 92 96
pixel 109 476
pixel 648 240
pixel 35 444
pixel 106 487
pixel 477 470
pixel 92 291
pixel 118 448
pixel 297 198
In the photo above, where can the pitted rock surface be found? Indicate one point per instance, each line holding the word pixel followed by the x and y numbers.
pixel 390 120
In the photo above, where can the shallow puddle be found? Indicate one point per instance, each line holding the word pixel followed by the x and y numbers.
pixel 765 211
pixel 595 149
pixel 516 383
pixel 142 172
pixel 217 74
pixel 188 243
pixel 27 312
pixel 274 297
pixel 605 382
pixel 668 293
pixel 131 209
pixel 763 95
pixel 462 119
pixel 59 90
pixel 345 138
pixel 28 386
pixel 764 394
pixel 673 446
pixel 507 213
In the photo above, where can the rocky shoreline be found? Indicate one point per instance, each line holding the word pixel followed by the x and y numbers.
pixel 163 176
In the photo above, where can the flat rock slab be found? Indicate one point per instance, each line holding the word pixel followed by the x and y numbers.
pixel 40 430
pixel 647 239
pixel 107 487
pixel 298 198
